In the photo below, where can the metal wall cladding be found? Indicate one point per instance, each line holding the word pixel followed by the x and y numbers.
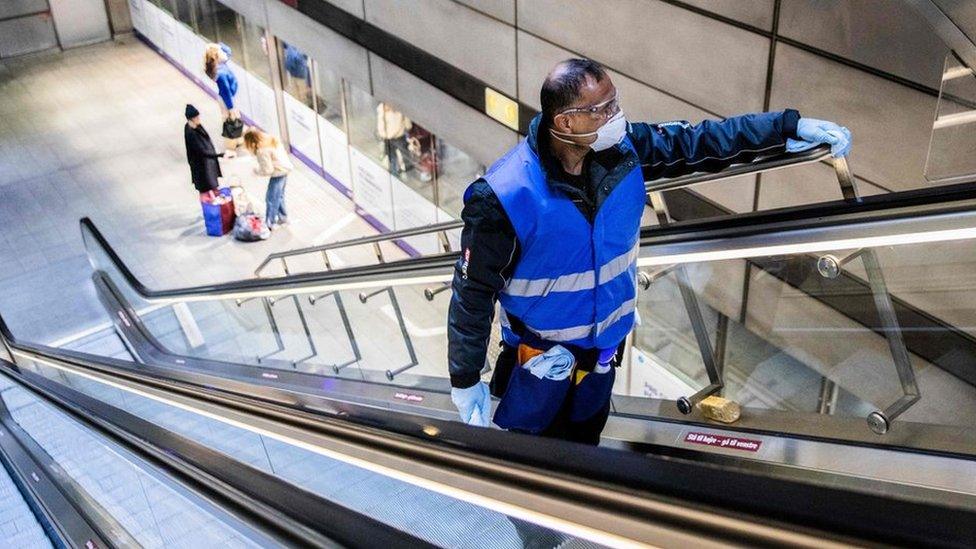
pixel 670 62
pixel 758 13
pixel 354 7
pixel 499 9
pixel 465 38
pixel 885 35
pixel 27 35
pixel 708 63
pixel 890 123
pixel 963 13
pixel 16 8
pixel 80 22
pixel 806 185
pixel 253 10
pixel 467 129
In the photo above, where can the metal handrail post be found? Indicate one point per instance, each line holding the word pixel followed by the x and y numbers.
pixel 357 355
pixel 686 404
pixel 879 421
pixel 313 351
pixel 279 342
pixel 390 374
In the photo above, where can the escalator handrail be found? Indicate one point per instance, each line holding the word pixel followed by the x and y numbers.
pixel 360 241
pixel 906 206
pixel 559 471
pixel 295 514
pixel 759 165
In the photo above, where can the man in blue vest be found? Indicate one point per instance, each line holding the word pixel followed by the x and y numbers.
pixel 551 233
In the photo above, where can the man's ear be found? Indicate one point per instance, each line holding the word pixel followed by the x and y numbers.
pixel 560 123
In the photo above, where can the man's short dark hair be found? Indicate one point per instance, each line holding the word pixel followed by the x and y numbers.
pixel 562 87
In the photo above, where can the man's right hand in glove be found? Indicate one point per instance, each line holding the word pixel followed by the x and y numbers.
pixel 474 404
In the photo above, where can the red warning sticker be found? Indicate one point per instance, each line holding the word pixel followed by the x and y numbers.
pixel 721 441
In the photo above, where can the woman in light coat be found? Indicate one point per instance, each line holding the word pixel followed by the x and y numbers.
pixel 274 163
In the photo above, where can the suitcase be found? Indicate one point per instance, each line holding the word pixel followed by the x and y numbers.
pixel 218 212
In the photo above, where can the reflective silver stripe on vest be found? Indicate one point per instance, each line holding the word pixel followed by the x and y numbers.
pixel 623 310
pixel 579 332
pixel 536 287
pixel 618 265
pixel 574 282
pixel 564 334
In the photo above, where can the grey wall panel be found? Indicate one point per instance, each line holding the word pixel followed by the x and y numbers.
pixel 736 194
pixel 880 33
pixel 705 62
pixel 891 123
pixel 472 132
pixel 253 10
pixel 354 7
pixel 332 51
pixel 501 9
pixel 14 8
pixel 807 184
pixel 471 41
pixel 119 16
pixel 758 13
pixel 27 35
pixel 80 22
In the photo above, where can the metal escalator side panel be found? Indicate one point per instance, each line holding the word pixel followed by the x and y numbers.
pixel 276 510
pixel 413 443
pixel 68 517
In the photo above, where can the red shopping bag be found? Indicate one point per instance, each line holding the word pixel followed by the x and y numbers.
pixel 218 211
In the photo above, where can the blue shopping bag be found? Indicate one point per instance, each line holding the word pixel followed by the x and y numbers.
pixel 218 218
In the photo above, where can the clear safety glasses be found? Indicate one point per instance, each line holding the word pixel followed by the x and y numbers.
pixel 605 109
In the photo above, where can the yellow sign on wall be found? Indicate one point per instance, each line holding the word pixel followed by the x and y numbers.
pixel 501 108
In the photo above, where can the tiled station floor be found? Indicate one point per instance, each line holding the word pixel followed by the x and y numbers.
pixel 98 132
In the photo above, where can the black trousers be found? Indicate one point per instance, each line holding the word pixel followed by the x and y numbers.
pixel 586 432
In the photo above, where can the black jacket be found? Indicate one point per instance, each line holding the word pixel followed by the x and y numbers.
pixel 489 242
pixel 202 157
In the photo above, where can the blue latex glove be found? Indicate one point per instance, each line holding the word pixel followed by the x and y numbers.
pixel 474 404
pixel 554 364
pixel 813 132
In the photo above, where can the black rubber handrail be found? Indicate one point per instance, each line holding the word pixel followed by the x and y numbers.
pixel 65 513
pixel 279 507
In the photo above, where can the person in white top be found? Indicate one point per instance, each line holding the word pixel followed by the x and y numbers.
pixel 273 162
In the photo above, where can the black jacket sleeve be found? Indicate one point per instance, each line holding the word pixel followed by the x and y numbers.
pixel 489 252
pixel 670 149
pixel 199 145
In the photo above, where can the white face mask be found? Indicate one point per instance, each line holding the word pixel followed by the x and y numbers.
pixel 607 135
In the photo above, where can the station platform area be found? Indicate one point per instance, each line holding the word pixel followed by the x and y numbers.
pixel 98 132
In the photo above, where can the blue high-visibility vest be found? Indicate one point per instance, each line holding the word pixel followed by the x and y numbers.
pixel 575 283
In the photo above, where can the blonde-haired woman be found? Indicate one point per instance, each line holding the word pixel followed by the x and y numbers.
pixel 215 59
pixel 274 163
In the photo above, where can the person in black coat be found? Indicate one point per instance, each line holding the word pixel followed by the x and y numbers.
pixel 200 153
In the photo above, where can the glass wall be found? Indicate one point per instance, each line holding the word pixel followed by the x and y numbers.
pixel 399 173
pixel 296 83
